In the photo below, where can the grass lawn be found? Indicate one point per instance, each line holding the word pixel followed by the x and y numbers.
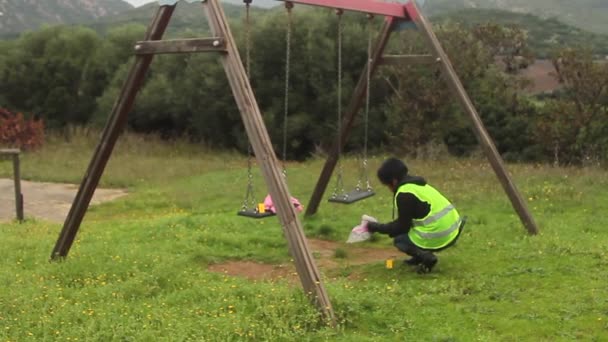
pixel 138 270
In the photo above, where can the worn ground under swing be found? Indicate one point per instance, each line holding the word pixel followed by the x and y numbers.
pixel 325 256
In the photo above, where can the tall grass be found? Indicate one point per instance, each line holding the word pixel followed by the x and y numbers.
pixel 136 159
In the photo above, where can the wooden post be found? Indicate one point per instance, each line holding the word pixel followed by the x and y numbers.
pixel 104 149
pixel 483 137
pixel 18 194
pixel 264 152
pixel 349 118
pixel 14 153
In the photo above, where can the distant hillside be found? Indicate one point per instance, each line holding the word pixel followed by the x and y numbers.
pixel 187 16
pixel 544 35
pixel 21 15
pixel 590 15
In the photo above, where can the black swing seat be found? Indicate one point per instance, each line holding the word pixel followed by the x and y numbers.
pixel 253 213
pixel 352 196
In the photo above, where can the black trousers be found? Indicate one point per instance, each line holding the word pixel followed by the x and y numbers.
pixel 405 244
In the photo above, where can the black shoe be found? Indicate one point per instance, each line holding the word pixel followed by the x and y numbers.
pixel 414 261
pixel 427 264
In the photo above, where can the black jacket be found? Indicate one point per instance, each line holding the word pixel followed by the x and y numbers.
pixel 408 207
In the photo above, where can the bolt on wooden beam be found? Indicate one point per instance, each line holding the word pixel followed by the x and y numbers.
pixel 173 46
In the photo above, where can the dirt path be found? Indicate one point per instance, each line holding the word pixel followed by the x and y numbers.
pixel 46 201
pixel 324 253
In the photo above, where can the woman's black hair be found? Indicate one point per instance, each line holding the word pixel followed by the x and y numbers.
pixel 392 169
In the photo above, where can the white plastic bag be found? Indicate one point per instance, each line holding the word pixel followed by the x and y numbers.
pixel 360 232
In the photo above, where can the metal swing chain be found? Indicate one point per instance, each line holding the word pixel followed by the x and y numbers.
pixel 339 182
pixel 249 201
pixel 363 173
pixel 367 99
pixel 248 37
pixel 288 6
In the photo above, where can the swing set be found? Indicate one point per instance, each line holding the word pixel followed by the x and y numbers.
pixel 223 43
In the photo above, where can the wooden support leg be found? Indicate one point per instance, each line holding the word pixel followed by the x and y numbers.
pixel 110 134
pixel 262 146
pixel 482 135
pixel 349 118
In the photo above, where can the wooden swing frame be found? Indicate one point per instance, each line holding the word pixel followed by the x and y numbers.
pixel 223 43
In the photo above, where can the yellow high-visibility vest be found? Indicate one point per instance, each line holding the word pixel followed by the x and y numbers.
pixel 440 226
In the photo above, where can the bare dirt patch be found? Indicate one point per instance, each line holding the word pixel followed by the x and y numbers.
pixel 47 201
pixel 324 254
pixel 255 271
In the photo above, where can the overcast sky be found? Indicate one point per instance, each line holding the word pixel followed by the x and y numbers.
pixel 139 2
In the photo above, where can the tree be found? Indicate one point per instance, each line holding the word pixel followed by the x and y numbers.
pixel 509 43
pixel 423 110
pixel 47 73
pixel 574 127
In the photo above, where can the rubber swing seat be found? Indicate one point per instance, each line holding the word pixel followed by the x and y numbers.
pixel 352 196
pixel 253 213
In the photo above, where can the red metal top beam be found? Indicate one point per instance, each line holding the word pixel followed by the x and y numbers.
pixel 365 6
pixel 412 10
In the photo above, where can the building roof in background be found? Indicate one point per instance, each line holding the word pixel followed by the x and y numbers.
pixel 543 76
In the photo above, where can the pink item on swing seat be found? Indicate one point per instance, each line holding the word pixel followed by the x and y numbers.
pixel 270 205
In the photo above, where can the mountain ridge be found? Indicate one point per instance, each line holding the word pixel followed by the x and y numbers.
pixel 543 35
pixel 589 15
pixel 22 15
